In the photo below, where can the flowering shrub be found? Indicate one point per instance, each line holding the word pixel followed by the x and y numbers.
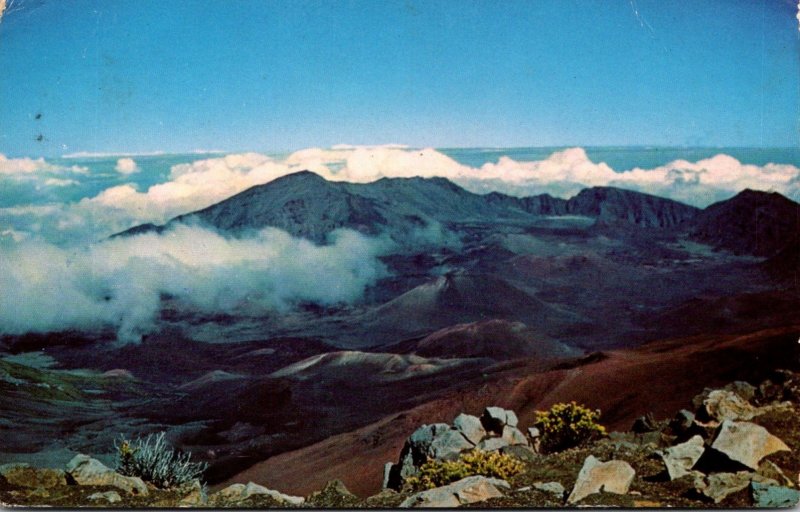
pixel 567 425
pixel 436 473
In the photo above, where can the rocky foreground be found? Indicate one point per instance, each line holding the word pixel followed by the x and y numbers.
pixel 737 447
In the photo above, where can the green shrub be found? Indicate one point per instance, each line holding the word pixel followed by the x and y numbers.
pixel 567 425
pixel 475 462
pixel 154 461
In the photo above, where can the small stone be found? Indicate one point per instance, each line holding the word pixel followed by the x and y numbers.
pixel 551 487
pixel 473 489
pixel 680 458
pixel 772 496
pixel 614 476
pixel 745 390
pixel 719 486
pixel 534 433
pixel 746 443
pixel 108 496
pixel 470 427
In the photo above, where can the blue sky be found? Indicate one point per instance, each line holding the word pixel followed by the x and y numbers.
pixel 278 75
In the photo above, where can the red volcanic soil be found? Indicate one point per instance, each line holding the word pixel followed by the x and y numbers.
pixel 660 377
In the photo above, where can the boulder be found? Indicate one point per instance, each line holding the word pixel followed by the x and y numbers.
pixel 719 486
pixel 88 471
pixel 252 489
pixel 513 436
pixel 721 405
pixel 680 459
pixel 746 443
pixel 614 476
pixel 682 422
pixel 415 452
pixel 551 487
pixel 240 492
pixel 745 390
pixel 470 427
pixel 193 494
pixel 334 495
pixel 492 444
pixel 520 452
pixel 773 496
pixel 473 489
pixel 494 419
pixel 448 445
pixel 23 475
pixel 769 469
pixel 108 497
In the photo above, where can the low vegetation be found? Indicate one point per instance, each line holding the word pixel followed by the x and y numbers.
pixel 154 461
pixel 438 473
pixel 567 425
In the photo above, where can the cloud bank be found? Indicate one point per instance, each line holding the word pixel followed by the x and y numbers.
pixel 120 283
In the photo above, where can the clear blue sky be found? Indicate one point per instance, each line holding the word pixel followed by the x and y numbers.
pixel 167 75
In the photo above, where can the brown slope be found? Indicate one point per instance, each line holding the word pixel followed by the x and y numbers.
pixel 661 377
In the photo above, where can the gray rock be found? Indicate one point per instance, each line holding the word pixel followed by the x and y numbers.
pixel 614 476
pixel 744 389
pixel 520 452
pixel 511 418
pixel 253 489
pixel 108 496
pixel 771 496
pixel 680 458
pixel 88 471
pixel 682 422
pixel 473 489
pixel 193 495
pixel 551 487
pixel 494 419
pixel 721 405
pixel 719 486
pixel 769 469
pixel 416 451
pixel 387 474
pixel 514 437
pixel 492 444
pixel 470 426
pixel 746 443
pixel 534 433
pixel 448 445
pixel 22 475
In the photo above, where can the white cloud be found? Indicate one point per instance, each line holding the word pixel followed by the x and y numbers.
pixel 120 282
pixel 196 185
pixel 126 166
pixel 27 166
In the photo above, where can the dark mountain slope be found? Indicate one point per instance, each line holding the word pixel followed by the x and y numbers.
pixel 752 222
pixel 611 205
pixel 304 204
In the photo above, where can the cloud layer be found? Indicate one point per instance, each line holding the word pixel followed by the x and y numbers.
pixel 120 283
pixel 196 185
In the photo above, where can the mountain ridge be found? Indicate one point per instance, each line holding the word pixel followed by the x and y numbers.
pixel 305 204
